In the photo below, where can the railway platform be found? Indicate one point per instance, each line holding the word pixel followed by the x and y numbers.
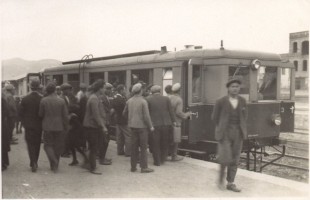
pixel 188 178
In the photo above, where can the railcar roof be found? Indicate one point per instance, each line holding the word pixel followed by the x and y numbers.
pixel 168 56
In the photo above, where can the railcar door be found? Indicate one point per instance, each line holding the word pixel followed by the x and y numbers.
pixel 197 125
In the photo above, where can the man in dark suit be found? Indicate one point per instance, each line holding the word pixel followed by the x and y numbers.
pixel 229 115
pixel 29 113
pixel 162 117
pixel 54 112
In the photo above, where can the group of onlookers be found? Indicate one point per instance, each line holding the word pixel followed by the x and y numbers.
pixel 67 123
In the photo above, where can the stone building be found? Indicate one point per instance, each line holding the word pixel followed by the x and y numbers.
pixel 299 55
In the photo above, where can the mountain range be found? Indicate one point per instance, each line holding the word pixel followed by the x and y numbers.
pixel 17 66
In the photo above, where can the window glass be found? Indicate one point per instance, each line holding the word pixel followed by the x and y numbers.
pixel 48 78
pixel 196 84
pixel 74 81
pixel 305 65
pixel 58 79
pixel 94 76
pixel 241 73
pixel 285 87
pixel 167 79
pixel 295 47
pixel 267 83
pixel 296 65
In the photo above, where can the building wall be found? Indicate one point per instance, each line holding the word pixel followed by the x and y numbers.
pixel 295 54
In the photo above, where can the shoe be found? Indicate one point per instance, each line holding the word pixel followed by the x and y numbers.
pixel 14 139
pixel 4 168
pixel 108 159
pixel 33 169
pixel 105 162
pixel 127 155
pixel 156 164
pixel 233 188
pixel 73 163
pixel 65 155
pixel 146 170
pixel 120 154
pixel 13 142
pixel 176 158
pixel 133 169
pixel 95 171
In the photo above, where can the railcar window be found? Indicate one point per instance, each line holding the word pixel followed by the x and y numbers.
pixel 241 73
pixel 74 81
pixel 285 87
pixel 58 79
pixel 167 79
pixel 196 81
pixel 267 83
pixel 94 76
pixel 143 75
pixel 48 78
pixel 117 77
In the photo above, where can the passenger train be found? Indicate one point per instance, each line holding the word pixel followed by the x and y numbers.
pixel 267 85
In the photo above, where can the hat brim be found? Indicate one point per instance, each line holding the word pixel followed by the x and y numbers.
pixel 233 81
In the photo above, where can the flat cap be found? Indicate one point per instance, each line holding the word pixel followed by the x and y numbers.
pixel 136 88
pixel 9 87
pixel 176 87
pixel 108 86
pixel 83 86
pixel 233 80
pixel 35 84
pixel 155 89
pixel 65 86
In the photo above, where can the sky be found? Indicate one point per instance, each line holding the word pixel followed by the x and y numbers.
pixel 69 29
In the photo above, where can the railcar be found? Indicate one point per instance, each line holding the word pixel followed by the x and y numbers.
pixel 267 85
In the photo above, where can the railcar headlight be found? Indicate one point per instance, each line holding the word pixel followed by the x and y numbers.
pixel 276 119
pixel 255 64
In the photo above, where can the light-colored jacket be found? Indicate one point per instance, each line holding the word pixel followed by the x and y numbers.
pixel 138 113
pixel 54 112
pixel 94 114
pixel 177 107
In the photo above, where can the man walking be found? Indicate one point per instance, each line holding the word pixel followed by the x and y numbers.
pixel 54 112
pixel 122 130
pixel 94 123
pixel 162 117
pixel 29 113
pixel 139 121
pixel 177 107
pixel 229 115
pixel 9 92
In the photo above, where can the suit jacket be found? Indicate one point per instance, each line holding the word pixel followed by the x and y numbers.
pixel 220 116
pixel 95 114
pixel 160 110
pixel 54 112
pixel 107 108
pixel 177 107
pixel 118 104
pixel 29 111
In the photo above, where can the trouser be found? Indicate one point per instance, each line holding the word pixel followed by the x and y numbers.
pixel 229 150
pixel 33 140
pixel 104 140
pixel 139 138
pixel 11 126
pixel 123 138
pixel 92 135
pixel 160 144
pixel 53 146
pixel 5 159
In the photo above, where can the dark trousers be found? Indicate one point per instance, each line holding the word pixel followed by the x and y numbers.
pixel 104 140
pixel 92 135
pixel 53 146
pixel 11 126
pixel 229 150
pixel 123 138
pixel 139 138
pixel 5 159
pixel 33 140
pixel 160 144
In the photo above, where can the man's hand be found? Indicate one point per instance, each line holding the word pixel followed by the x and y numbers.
pixel 105 130
pixel 152 129
pixel 174 124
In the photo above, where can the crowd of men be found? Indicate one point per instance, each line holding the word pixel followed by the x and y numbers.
pixel 144 119
pixel 66 123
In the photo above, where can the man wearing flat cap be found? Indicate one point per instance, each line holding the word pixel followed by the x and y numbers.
pixel 54 113
pixel 29 113
pixel 9 93
pixel 177 107
pixel 229 115
pixel 163 118
pixel 139 121
pixel 105 139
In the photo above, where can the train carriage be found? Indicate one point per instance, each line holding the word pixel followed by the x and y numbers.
pixel 267 85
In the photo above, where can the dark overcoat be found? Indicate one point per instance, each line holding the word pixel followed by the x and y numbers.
pixel 220 116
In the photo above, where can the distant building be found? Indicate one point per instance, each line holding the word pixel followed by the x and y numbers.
pixel 299 55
